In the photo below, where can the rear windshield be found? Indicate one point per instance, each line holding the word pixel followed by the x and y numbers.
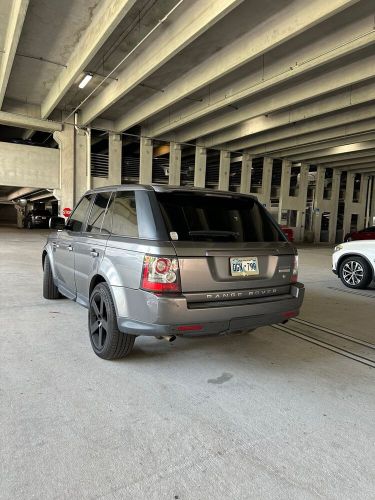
pixel 207 217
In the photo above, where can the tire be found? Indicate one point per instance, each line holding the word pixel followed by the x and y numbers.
pixel 355 272
pixel 106 339
pixel 50 290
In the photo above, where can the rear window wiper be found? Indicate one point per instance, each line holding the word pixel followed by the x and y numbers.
pixel 212 232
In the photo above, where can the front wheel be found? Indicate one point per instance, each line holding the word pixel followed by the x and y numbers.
pixel 50 290
pixel 106 339
pixel 355 272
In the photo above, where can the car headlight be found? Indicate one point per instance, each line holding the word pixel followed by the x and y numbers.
pixel 338 247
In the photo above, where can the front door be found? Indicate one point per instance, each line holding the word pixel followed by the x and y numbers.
pixel 64 247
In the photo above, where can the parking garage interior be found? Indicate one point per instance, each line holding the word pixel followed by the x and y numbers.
pixel 273 98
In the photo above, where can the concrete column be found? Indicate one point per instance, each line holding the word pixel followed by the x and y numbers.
pixel 200 167
pixel 336 178
pixel 286 169
pixel 80 175
pixel 175 164
pixel 145 169
pixel 114 158
pixel 224 170
pixel 65 140
pixel 247 162
pixel 319 193
pixel 265 195
pixel 302 200
pixel 349 190
pixel 372 208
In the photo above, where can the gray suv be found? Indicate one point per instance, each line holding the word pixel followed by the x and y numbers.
pixel 168 261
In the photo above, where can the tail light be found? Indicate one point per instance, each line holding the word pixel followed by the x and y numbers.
pixel 160 274
pixel 294 277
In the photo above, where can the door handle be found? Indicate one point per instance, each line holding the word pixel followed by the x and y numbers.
pixel 94 253
pixel 70 248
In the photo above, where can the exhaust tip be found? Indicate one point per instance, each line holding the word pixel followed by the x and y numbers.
pixel 168 338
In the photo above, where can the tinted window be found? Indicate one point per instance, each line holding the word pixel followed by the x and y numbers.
pixel 79 214
pixel 98 210
pixel 124 214
pixel 201 217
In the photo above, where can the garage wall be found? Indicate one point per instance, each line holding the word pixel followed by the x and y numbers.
pixel 8 214
pixel 29 166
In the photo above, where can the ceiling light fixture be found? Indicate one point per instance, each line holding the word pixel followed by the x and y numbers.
pixel 85 80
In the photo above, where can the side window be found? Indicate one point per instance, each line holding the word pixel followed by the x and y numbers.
pixel 79 214
pixel 97 213
pixel 124 214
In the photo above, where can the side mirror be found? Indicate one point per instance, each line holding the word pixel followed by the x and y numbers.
pixel 57 223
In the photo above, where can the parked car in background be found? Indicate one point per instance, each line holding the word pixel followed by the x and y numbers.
pixel 354 263
pixel 289 233
pixel 164 261
pixel 37 218
pixel 364 234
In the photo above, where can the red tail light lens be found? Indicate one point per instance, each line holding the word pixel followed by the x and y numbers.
pixel 160 274
pixel 294 277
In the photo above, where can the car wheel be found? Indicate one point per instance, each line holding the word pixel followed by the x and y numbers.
pixel 50 290
pixel 355 272
pixel 106 339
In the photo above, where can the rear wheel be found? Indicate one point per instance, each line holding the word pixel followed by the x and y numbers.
pixel 355 272
pixel 106 339
pixel 50 290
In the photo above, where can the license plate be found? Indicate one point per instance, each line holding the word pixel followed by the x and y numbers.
pixel 247 266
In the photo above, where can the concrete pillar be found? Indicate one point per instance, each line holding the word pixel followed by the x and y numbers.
pixel 114 158
pixel 319 194
pixel 247 162
pixel 81 174
pixel 302 200
pixel 200 167
pixel 265 195
pixel 65 140
pixel 224 170
pixel 286 169
pixel 175 164
pixel 349 190
pixel 336 179
pixel 145 168
pixel 372 208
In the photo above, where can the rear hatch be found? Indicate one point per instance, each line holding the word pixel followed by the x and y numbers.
pixel 226 243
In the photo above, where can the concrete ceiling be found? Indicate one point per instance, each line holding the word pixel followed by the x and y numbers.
pixel 281 79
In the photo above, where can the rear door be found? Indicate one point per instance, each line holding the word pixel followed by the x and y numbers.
pixel 90 247
pixel 225 242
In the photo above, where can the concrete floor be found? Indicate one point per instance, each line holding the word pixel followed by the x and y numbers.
pixel 262 415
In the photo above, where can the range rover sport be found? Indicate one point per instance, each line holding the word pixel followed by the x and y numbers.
pixel 170 261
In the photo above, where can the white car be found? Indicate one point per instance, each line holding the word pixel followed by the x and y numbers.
pixel 354 263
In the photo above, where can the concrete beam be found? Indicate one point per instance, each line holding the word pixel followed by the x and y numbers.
pixel 13 120
pixel 293 129
pixel 369 168
pixel 176 35
pixel 314 87
pixel 357 162
pixel 30 166
pixel 342 145
pixel 106 19
pixel 20 193
pixel 351 157
pixel 293 19
pixel 344 99
pixel 16 19
pixel 345 130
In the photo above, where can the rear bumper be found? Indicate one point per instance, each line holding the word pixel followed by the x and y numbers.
pixel 143 313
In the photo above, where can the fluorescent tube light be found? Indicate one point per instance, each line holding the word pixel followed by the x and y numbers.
pixel 85 80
